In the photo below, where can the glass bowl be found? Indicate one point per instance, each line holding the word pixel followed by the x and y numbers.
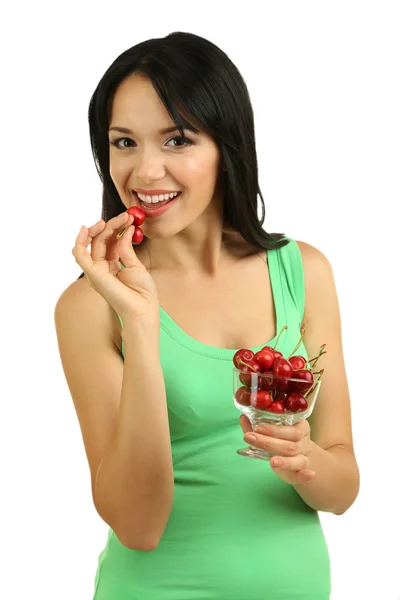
pixel 265 398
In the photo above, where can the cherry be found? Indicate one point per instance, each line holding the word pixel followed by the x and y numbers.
pixel 275 353
pixel 297 362
pixel 261 400
pixel 292 401
pixel 300 386
pixel 277 407
pixel 137 236
pixel 240 355
pixel 251 366
pixel 282 367
pixel 137 213
pixel 284 385
pixel 242 396
pixel 265 358
pixel 302 404
pixel 281 396
pixel 268 381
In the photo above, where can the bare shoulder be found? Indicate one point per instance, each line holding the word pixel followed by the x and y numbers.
pixel 318 277
pixel 80 300
pixel 321 301
pixel 312 257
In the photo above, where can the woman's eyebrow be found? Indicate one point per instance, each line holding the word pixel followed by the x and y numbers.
pixel 162 131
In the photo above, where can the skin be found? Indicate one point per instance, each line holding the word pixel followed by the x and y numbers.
pixel 188 235
pixel 315 456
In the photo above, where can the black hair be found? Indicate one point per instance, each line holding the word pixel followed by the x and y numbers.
pixel 192 77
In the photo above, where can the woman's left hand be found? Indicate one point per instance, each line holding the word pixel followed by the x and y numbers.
pixel 291 444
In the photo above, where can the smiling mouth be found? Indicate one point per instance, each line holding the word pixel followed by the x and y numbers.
pixel 154 205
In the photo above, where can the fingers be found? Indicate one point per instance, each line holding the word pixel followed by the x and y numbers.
pixel 99 237
pixel 125 249
pixel 273 445
pixel 245 424
pixel 295 463
pixel 104 244
pixel 96 228
pixel 293 433
pixel 79 251
pixel 292 470
pixel 280 439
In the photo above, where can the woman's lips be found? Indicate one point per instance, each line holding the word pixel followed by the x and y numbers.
pixel 159 207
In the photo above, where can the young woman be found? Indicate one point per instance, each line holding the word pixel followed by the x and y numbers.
pixel 147 336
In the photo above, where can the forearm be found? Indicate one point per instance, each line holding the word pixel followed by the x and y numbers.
pixel 135 482
pixel 336 485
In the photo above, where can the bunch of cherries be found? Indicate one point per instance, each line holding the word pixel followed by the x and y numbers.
pixel 138 219
pixel 282 384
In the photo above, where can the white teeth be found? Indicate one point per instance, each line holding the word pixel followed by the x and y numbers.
pixel 155 199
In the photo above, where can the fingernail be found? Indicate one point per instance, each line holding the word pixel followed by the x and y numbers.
pixel 277 462
pixel 260 429
pixel 250 437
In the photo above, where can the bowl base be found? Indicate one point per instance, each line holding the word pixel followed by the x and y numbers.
pixel 251 452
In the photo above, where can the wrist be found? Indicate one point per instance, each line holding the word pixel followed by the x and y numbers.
pixel 146 327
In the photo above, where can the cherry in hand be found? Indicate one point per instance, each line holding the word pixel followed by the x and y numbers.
pixel 138 219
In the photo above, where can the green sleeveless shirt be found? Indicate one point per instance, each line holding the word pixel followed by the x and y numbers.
pixel 236 530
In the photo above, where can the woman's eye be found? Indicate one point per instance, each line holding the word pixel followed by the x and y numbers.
pixel 116 142
pixel 182 142
pixel 181 139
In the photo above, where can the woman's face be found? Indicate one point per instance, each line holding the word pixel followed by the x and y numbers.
pixel 145 158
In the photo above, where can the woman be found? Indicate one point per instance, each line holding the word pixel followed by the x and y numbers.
pixel 148 333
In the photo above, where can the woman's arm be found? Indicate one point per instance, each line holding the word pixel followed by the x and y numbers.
pixel 122 411
pixel 323 445
pixel 332 456
pixel 134 486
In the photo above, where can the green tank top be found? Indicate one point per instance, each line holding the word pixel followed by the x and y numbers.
pixel 236 531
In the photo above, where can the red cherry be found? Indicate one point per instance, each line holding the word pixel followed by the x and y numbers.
pixel 240 355
pixel 261 400
pixel 138 236
pixel 242 396
pixel 284 385
pixel 251 366
pixel 137 213
pixel 276 353
pixel 268 381
pixel 282 367
pixel 302 404
pixel 292 401
pixel 299 386
pixel 277 407
pixel 265 358
pixel 281 396
pixel 297 362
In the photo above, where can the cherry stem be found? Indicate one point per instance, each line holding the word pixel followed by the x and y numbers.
pixel 280 333
pixel 302 331
pixel 316 358
pixel 316 380
pixel 243 362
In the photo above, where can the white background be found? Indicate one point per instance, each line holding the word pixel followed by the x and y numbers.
pixel 324 82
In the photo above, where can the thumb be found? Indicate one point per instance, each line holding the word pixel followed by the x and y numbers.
pixel 126 252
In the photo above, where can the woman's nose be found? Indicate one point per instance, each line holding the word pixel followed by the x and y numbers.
pixel 149 166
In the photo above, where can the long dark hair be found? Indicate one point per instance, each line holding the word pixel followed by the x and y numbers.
pixel 192 76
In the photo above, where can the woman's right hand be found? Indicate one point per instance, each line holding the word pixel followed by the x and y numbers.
pixel 130 291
